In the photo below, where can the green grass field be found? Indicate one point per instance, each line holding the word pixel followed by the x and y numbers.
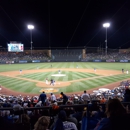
pixel 91 80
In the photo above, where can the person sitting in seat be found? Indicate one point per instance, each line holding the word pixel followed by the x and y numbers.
pixel 117 117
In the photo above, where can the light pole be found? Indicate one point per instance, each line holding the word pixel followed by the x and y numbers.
pixel 106 25
pixel 31 27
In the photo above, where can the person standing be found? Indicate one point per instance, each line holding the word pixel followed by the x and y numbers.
pixel 47 81
pixel 65 98
pixel 42 98
pixel 85 97
pixel 20 71
pixel 59 71
pixel 53 97
pixel 52 82
pixel 122 70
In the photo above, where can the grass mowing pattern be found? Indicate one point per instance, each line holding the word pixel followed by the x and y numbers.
pixel 30 87
pixel 69 76
pixel 19 85
pixel 93 83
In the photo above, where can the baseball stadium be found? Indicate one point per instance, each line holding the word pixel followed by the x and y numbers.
pixel 64 65
pixel 30 72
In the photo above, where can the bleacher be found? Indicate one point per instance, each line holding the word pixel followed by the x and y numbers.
pixel 66 55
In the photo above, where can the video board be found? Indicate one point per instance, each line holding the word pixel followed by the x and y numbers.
pixel 15 47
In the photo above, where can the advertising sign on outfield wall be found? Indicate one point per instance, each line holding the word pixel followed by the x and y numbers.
pixel 123 60
pixel 22 61
pixel 35 61
pixel 9 62
pixel 97 61
pixel 84 60
pixel 110 60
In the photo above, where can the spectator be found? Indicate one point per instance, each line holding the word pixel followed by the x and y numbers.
pixel 34 117
pixel 70 118
pixel 85 97
pixel 117 118
pixel 65 98
pixel 53 97
pixel 42 98
pixel 42 123
pixel 62 123
pixel 103 100
pixel 127 95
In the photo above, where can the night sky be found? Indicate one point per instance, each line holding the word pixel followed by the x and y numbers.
pixel 65 23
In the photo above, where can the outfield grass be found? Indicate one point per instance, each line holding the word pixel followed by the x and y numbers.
pixel 89 65
pixel 22 85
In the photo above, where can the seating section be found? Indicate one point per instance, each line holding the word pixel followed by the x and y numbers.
pixel 5 56
pixel 103 56
pixel 66 55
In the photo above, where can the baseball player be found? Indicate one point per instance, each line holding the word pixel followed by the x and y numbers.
pixel 59 71
pixel 122 70
pixel 47 81
pixel 52 82
pixel 20 71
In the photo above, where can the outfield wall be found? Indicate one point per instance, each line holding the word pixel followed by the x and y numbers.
pixel 41 61
pixel 108 60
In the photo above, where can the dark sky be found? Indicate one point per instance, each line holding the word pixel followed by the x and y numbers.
pixel 65 23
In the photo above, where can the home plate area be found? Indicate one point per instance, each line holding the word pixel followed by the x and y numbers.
pixel 49 90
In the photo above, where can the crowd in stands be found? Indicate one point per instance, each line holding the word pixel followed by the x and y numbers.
pixel 101 110
pixel 67 55
pixel 114 56
pixel 6 56
pixel 67 52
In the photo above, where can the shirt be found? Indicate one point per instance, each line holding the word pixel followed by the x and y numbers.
pixel 85 96
pixel 53 97
pixel 69 126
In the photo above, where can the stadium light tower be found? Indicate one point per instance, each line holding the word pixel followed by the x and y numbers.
pixel 31 27
pixel 106 25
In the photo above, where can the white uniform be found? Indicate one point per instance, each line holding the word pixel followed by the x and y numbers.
pixel 47 81
pixel 20 71
pixel 127 72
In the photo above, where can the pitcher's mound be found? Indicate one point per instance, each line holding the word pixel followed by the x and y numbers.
pixel 58 75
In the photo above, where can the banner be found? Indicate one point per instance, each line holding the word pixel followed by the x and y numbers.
pixel 123 60
pixel 35 61
pixel 110 60
pixel 22 61
pixel 84 60
pixel 97 61
pixel 9 62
